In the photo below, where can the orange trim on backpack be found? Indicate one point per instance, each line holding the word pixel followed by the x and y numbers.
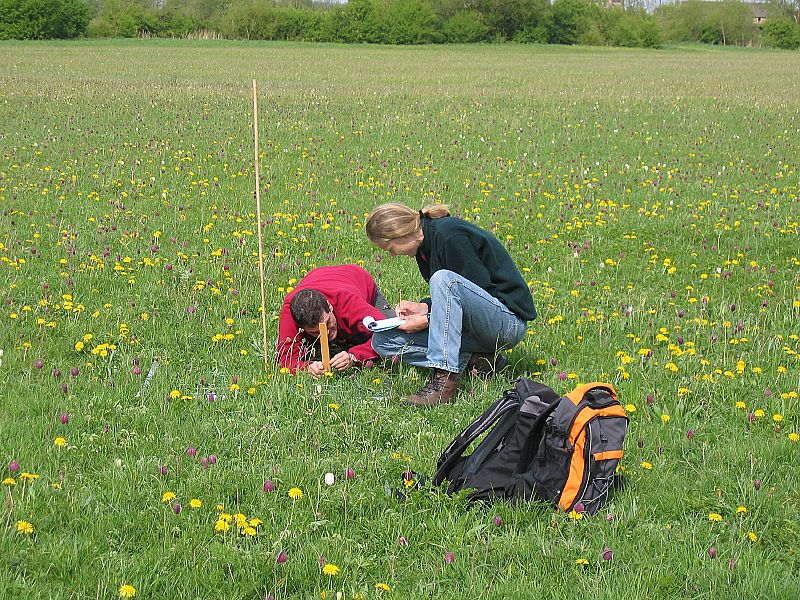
pixel 579 392
pixel 587 414
pixel 575 477
pixel 608 455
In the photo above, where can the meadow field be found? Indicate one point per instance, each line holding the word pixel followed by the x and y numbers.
pixel 650 198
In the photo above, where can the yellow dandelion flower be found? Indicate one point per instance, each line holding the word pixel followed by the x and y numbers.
pixel 741 405
pixel 333 406
pixel 759 413
pixel 630 408
pixel 24 528
pixel 331 569
pixel 714 517
pixel 295 493
pixel 249 531
pixel 195 503
pixel 383 587
pixel 28 476
pixel 255 522
pixel 665 418
pixel 751 535
pixel 581 561
pixel 127 591
pixel 777 418
pixel 168 497
pixel 9 481
pixel 741 510
pixel 221 526
pixel 646 465
pixel 79 346
pixel 794 437
pixel 175 394
pixel 60 442
pixel 575 516
pixel 241 520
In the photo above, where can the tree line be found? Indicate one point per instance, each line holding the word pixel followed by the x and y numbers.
pixel 729 22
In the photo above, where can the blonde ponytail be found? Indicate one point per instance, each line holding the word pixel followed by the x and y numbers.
pixel 436 211
pixel 394 220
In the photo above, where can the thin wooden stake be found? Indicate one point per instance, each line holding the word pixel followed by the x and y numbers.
pixel 326 351
pixel 258 217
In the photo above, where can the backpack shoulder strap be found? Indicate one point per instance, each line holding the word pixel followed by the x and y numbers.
pixel 509 401
pixel 491 443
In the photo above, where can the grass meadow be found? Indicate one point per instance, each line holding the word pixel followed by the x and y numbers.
pixel 650 198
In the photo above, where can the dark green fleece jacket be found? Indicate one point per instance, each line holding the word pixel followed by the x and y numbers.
pixel 475 254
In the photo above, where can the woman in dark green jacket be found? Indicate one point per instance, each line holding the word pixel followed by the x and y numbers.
pixel 479 302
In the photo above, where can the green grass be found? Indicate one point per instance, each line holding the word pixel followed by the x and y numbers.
pixel 650 198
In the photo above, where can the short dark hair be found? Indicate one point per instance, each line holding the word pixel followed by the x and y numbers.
pixel 308 306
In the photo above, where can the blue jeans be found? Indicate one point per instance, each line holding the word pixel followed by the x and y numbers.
pixel 464 319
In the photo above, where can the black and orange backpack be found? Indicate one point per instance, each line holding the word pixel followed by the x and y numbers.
pixel 541 446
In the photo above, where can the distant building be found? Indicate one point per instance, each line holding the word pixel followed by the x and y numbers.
pixel 759 13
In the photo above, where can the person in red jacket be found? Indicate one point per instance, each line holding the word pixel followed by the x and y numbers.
pixel 339 296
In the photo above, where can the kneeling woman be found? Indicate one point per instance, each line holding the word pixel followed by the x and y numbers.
pixel 479 302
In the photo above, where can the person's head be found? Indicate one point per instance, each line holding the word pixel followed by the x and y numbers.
pixel 396 228
pixel 309 308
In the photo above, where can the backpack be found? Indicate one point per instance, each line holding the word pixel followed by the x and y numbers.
pixel 541 446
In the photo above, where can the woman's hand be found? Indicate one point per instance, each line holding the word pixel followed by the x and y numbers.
pixel 414 323
pixel 406 308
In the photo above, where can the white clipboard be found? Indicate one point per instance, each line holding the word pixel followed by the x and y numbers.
pixel 383 324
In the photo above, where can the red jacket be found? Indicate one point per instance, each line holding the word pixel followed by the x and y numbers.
pixel 351 291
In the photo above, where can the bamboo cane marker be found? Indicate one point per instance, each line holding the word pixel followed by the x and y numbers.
pixel 326 351
pixel 258 216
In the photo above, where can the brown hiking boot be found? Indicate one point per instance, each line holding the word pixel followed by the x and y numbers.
pixel 441 388
pixel 484 364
